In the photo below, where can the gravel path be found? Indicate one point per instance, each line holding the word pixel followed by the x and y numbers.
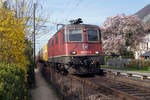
pixel 42 91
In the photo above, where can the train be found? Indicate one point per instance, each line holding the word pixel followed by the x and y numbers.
pixel 75 48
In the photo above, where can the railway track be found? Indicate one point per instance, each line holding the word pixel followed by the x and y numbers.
pixel 131 89
pixel 100 86
pixel 111 88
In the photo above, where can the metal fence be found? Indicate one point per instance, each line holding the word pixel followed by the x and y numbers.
pixel 118 62
pixel 72 88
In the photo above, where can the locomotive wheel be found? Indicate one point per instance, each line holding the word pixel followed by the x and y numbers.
pixel 64 71
pixel 100 72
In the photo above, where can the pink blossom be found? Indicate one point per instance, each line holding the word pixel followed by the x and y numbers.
pixel 116 29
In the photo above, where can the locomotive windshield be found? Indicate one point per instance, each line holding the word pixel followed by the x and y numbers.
pixel 75 35
pixel 92 35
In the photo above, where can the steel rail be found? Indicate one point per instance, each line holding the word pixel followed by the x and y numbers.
pixel 111 91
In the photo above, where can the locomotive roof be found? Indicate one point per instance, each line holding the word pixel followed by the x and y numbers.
pixel 77 25
pixel 81 25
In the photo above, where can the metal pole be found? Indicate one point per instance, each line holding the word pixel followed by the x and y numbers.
pixel 34 34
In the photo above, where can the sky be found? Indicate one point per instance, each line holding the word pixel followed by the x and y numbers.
pixel 91 11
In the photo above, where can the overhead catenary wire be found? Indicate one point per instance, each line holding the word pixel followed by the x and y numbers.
pixel 78 2
pixel 70 8
pixel 67 5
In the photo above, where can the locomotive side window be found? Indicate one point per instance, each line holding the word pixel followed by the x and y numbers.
pixel 52 43
pixel 56 39
pixel 92 35
pixel 49 44
pixel 75 35
pixel 63 35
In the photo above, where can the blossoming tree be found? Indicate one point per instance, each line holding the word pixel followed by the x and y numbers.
pixel 12 37
pixel 122 32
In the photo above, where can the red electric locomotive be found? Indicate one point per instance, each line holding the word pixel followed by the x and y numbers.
pixel 76 48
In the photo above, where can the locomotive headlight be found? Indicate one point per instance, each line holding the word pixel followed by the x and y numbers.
pixel 73 53
pixel 96 52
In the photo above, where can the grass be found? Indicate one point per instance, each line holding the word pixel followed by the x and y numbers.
pixel 135 69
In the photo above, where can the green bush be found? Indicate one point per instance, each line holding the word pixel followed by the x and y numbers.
pixel 133 63
pixel 31 76
pixel 145 63
pixel 30 68
pixel 12 82
pixel 139 64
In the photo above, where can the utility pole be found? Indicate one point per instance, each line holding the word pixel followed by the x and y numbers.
pixel 34 8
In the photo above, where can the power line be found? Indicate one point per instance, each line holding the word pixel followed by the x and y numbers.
pixel 68 10
pixel 76 3
pixel 69 5
pixel 73 8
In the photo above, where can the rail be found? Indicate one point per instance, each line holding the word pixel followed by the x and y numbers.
pixel 117 93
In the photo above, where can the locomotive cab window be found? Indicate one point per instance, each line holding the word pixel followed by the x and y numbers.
pixel 75 35
pixel 92 35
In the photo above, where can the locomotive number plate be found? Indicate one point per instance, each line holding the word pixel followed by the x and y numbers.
pixel 86 52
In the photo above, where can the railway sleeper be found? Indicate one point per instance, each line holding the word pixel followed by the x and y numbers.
pixel 104 91
pixel 128 90
pixel 117 73
pixel 135 92
pixel 143 89
pixel 129 75
pixel 146 97
pixel 138 94
pixel 143 77
pixel 132 90
pixel 123 87
pixel 146 92
pixel 142 94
